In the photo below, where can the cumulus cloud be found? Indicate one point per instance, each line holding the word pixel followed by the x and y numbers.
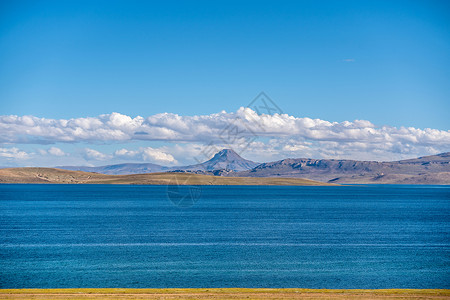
pixel 146 154
pixel 92 154
pixel 52 151
pixel 56 151
pixel 291 135
pixel 13 153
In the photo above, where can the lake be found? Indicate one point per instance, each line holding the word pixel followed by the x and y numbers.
pixel 69 236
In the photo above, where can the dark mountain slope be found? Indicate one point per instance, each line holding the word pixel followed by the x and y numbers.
pixel 225 159
pixel 351 171
pixel 120 169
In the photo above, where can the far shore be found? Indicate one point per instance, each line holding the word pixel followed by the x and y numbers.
pixel 60 176
pixel 223 293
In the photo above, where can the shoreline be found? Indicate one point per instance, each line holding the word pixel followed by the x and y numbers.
pixel 59 176
pixel 223 293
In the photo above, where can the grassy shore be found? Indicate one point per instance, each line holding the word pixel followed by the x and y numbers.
pixel 225 293
pixel 58 176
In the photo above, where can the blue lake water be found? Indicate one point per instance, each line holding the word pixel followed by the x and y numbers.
pixel 236 236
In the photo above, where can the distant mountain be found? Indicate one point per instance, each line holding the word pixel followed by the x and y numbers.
pixel 434 169
pixel 225 159
pixel 428 160
pixel 120 169
pixel 51 175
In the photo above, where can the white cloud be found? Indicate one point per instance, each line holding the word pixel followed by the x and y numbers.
pixel 288 135
pixel 91 154
pixel 295 148
pixel 151 154
pixel 146 154
pixel 56 151
pixel 13 153
pixel 125 153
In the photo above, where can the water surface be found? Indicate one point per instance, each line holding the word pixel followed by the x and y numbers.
pixel 62 236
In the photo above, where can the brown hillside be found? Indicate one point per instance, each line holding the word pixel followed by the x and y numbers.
pixel 50 175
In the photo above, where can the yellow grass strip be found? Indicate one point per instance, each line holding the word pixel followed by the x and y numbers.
pixel 223 293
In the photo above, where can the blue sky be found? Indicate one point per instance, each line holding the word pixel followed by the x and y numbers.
pixel 386 62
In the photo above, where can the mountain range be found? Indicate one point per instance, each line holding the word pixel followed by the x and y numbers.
pixel 120 169
pixel 434 169
pixel 224 160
